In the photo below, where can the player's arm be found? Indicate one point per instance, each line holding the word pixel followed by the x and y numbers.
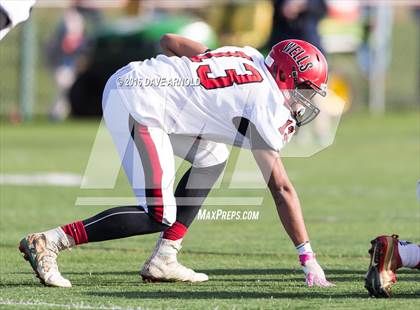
pixel 290 213
pixel 176 45
pixel 284 194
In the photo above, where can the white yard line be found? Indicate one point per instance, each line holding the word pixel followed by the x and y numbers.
pixel 81 305
pixel 41 179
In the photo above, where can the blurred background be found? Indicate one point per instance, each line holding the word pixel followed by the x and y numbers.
pixel 55 64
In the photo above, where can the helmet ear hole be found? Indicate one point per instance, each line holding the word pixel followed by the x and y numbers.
pixel 282 76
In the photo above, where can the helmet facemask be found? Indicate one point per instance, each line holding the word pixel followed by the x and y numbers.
pixel 298 98
pixel 303 110
pixel 301 104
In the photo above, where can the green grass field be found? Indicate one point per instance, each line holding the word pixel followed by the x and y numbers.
pixel 362 186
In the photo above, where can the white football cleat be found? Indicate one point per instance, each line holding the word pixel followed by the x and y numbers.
pixel 42 256
pixel 163 265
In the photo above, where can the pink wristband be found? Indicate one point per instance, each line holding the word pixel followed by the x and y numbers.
pixel 303 258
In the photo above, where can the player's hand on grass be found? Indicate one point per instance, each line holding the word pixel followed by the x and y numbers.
pixel 314 275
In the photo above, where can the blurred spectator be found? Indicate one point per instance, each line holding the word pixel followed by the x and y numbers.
pixel 68 44
pixel 297 19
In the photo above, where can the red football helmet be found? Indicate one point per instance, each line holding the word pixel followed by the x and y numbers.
pixel 300 71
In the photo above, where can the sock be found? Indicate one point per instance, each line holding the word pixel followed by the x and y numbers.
pixel 175 232
pixel 409 253
pixel 304 248
pixel 77 231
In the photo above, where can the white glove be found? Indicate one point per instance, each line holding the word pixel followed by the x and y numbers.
pixel 313 272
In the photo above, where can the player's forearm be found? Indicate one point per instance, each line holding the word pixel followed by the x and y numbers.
pixel 289 211
pixel 175 45
pixel 284 194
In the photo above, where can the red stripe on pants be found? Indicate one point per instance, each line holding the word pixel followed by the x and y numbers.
pixel 152 172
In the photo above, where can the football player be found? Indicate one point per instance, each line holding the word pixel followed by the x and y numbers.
pixel 155 110
pixel 388 254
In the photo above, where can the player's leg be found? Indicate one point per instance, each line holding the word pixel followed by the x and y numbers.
pixel 388 254
pixel 41 249
pixel 151 174
pixel 409 254
pixel 208 161
pixel 148 161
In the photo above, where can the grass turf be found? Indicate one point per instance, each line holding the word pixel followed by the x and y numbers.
pixel 362 186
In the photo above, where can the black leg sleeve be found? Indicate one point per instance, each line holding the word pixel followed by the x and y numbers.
pixel 193 189
pixel 120 222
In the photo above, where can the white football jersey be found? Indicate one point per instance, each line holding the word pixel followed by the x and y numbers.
pixel 203 95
